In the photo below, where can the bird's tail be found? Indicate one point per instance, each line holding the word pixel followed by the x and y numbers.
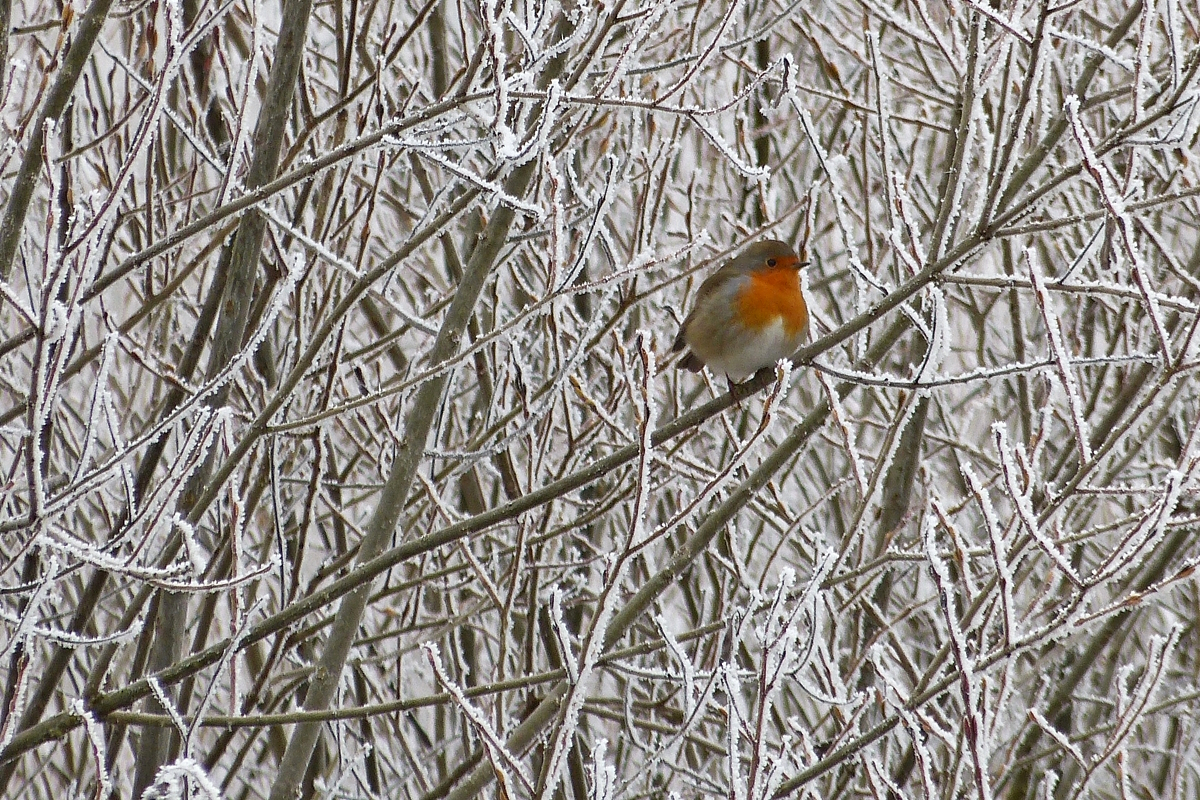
pixel 690 361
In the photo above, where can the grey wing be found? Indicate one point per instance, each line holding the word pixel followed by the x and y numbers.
pixel 707 289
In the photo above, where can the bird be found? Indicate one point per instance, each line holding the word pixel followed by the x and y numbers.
pixel 748 314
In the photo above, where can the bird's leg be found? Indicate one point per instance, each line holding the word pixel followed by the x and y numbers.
pixel 738 390
pixel 741 390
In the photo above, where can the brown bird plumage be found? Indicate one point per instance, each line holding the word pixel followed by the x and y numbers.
pixel 747 315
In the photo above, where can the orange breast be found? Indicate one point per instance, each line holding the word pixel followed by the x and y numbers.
pixel 773 294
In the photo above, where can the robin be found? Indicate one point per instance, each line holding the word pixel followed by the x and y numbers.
pixel 748 314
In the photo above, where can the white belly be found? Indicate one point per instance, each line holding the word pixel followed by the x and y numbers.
pixel 744 352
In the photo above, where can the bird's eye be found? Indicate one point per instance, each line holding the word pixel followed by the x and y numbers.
pixel 771 262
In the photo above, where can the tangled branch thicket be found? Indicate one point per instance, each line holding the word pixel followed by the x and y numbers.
pixel 342 455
